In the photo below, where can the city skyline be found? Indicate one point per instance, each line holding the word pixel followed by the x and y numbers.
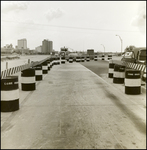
pixel 79 25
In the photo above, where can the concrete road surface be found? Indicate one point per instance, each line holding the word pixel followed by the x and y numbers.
pixel 73 108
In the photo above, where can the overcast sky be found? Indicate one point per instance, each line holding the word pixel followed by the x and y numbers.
pixel 79 25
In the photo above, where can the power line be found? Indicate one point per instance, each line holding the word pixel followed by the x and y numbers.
pixel 70 27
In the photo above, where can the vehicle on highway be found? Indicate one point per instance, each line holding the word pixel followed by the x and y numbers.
pixel 136 55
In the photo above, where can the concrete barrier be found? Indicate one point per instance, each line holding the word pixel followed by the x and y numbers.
pixel 9 94
pixel 132 82
pixel 28 80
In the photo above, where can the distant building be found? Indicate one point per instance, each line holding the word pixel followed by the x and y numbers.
pixel 22 44
pixel 47 46
pixel 7 49
pixel 38 49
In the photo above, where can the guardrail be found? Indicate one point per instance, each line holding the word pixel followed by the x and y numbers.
pixel 14 70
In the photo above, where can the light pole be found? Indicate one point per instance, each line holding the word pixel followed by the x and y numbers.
pixel 104 48
pixel 121 43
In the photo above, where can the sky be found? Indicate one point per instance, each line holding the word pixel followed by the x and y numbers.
pixel 77 25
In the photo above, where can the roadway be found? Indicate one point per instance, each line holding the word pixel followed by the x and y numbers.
pixel 73 108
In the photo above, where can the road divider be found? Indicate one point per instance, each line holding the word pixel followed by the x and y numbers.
pixel 132 82
pixel 9 94
pixel 28 82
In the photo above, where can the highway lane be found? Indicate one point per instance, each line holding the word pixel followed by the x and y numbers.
pixel 75 109
pixel 99 67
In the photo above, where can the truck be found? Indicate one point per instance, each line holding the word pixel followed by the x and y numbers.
pixel 137 56
pixel 90 53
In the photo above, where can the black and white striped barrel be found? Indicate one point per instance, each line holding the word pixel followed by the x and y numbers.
pixel 9 94
pixel 82 59
pixel 87 58
pixel 45 67
pixel 116 74
pixel 38 72
pixel 121 74
pixel 78 59
pixel 111 69
pixel 70 59
pixel 103 57
pixel 95 58
pixel 132 81
pixel 58 60
pixel 109 56
pixel 51 62
pixel 28 81
pixel 48 65
pixel 62 60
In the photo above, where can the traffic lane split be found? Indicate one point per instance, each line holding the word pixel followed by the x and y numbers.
pixel 84 117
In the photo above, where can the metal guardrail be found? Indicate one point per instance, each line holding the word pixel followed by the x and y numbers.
pixel 14 70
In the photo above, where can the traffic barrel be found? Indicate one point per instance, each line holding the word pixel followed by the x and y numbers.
pixel 78 59
pixel 109 57
pixel 121 74
pixel 45 67
pixel 38 72
pixel 28 81
pixel 48 65
pixel 70 59
pixel 132 82
pixel 116 74
pixel 87 58
pixel 62 60
pixel 95 58
pixel 82 59
pixel 111 69
pixel 9 94
pixel 58 60
pixel 103 57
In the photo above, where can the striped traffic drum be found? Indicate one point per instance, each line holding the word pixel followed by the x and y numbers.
pixel 121 74
pixel 38 72
pixel 111 70
pixel 45 67
pixel 116 73
pixel 62 60
pixel 28 82
pixel 9 94
pixel 132 81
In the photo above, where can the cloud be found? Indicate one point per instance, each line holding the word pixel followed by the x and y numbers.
pixel 54 13
pixel 140 19
pixel 14 6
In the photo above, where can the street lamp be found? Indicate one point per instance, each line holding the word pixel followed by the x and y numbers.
pixel 104 48
pixel 121 43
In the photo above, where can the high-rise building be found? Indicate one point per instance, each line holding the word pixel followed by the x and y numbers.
pixel 22 44
pixel 47 46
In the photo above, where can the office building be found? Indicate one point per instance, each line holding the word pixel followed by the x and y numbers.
pixel 47 46
pixel 22 44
